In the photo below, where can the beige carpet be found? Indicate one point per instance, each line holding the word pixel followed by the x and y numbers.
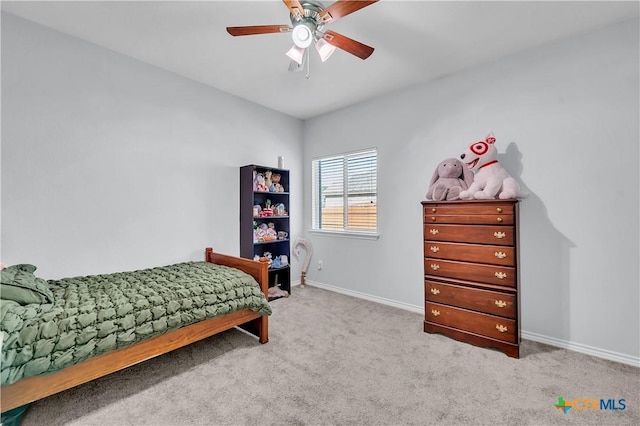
pixel 333 359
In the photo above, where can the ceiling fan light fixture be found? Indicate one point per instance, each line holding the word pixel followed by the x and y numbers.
pixel 296 54
pixel 302 35
pixel 325 49
pixel 308 18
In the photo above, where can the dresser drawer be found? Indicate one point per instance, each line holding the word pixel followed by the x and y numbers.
pixel 487 301
pixel 490 274
pixel 488 219
pixel 496 255
pixel 484 324
pixel 469 209
pixel 481 234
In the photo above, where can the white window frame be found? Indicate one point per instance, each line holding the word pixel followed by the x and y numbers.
pixel 316 201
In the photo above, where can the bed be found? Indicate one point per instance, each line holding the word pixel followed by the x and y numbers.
pixel 121 328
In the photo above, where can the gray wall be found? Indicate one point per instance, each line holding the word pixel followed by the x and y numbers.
pixel 110 164
pixel 566 121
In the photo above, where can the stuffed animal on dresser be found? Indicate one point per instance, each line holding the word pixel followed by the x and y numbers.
pixel 450 178
pixel 491 180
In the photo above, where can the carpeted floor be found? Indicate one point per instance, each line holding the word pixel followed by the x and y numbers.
pixel 337 360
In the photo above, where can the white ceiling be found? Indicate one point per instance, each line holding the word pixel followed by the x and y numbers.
pixel 415 41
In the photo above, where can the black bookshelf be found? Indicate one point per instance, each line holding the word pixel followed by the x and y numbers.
pixel 264 220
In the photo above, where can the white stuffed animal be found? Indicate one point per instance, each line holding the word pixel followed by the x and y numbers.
pixel 490 179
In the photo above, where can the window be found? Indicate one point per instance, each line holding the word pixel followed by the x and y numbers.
pixel 345 195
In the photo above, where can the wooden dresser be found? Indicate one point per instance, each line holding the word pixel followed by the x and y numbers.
pixel 471 279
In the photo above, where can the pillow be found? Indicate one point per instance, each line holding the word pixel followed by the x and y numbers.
pixel 20 285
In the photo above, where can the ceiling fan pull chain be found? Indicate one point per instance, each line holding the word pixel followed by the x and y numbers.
pixel 308 61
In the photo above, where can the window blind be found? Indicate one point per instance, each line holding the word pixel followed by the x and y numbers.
pixel 344 195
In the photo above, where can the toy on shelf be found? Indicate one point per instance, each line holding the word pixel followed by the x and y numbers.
pixel 277 210
pixel 275 183
pixel 267 210
pixel 264 232
pixel 282 235
pixel 267 179
pixel 281 261
pixel 267 255
pixel 280 210
pixel 259 183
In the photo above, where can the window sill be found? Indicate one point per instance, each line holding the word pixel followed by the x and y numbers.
pixel 346 234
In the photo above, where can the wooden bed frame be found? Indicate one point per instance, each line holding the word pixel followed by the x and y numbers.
pixel 31 389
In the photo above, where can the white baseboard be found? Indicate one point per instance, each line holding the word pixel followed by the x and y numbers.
pixel 384 301
pixel 552 341
pixel 583 349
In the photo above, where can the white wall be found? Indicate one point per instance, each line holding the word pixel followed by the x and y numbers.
pixel 566 121
pixel 109 164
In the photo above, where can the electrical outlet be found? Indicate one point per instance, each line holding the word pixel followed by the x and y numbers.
pixel 319 265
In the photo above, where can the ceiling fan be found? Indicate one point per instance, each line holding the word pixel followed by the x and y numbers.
pixel 308 18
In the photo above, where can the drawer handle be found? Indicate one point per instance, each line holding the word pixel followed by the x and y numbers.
pixel 501 328
pixel 500 275
pixel 433 231
pixel 435 266
pixel 500 303
pixel 433 210
pixel 435 290
pixel 499 209
pixel 435 312
pixel 433 218
pixel 499 234
pixel 500 255
pixel 499 219
pixel 434 249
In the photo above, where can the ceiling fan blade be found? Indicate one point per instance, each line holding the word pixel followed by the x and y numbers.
pixel 258 29
pixel 294 7
pixel 356 48
pixel 342 8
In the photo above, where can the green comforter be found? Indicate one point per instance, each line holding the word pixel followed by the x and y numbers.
pixel 95 314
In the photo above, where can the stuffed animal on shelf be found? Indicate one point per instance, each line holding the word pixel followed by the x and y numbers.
pixel 267 179
pixel 491 180
pixel 280 210
pixel 264 232
pixel 275 183
pixel 267 255
pixel 261 183
pixel 450 178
